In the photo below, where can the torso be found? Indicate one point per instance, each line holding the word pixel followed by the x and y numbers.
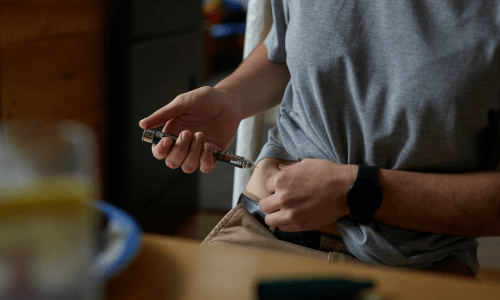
pixel 406 85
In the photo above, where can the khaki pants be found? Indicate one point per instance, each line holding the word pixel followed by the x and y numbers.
pixel 239 228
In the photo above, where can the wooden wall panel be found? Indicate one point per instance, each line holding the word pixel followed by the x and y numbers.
pixel 53 1
pixel 52 62
pixel 21 22
pixel 52 78
pixel 52 58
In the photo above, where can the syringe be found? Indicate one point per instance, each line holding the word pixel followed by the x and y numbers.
pixel 154 137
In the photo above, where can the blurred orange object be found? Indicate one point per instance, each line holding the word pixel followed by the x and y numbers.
pixel 213 11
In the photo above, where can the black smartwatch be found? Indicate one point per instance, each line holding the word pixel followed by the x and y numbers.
pixel 364 196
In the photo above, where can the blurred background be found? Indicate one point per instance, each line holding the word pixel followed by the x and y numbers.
pixel 110 63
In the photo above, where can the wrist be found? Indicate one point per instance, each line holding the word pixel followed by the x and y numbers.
pixel 354 172
pixel 348 176
pixel 232 97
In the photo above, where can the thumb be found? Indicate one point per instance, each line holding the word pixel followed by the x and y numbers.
pixel 177 107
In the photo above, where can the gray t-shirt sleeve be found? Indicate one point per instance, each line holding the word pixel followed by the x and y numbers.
pixel 275 40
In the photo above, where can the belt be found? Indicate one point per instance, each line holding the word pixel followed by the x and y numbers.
pixel 310 239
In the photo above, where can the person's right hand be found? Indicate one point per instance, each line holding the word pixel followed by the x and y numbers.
pixel 204 119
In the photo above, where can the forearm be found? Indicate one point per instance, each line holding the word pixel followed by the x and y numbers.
pixel 465 204
pixel 259 82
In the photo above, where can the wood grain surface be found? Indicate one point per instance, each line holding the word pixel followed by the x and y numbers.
pixel 174 268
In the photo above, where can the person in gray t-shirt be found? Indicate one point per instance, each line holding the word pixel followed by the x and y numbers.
pixel 411 87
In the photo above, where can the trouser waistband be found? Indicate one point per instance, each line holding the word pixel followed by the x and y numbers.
pixel 318 241
pixel 310 239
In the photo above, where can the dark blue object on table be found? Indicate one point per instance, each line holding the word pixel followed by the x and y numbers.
pixel 312 289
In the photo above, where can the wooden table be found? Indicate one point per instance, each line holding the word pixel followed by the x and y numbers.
pixel 173 268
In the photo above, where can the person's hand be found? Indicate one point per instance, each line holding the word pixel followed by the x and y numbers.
pixel 204 119
pixel 307 195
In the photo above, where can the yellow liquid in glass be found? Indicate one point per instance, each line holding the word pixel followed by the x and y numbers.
pixel 47 231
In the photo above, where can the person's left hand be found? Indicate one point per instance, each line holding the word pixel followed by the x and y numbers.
pixel 307 195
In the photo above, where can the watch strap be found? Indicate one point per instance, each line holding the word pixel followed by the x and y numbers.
pixel 365 172
pixel 368 172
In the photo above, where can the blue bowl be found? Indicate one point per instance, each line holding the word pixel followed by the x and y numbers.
pixel 122 242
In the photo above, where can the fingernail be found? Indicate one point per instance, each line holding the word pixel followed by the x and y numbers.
pixel 165 143
pixel 185 136
pixel 198 136
pixel 206 147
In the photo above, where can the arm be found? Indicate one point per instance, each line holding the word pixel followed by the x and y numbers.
pixel 208 118
pixel 252 82
pixel 312 194
pixel 465 204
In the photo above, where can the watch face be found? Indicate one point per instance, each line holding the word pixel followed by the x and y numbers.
pixel 364 198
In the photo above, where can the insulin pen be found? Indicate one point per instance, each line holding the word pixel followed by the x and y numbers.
pixel 154 137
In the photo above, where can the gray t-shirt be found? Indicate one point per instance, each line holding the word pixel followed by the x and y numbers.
pixel 405 85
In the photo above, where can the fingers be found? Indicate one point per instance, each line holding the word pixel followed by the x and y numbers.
pixel 189 151
pixel 278 178
pixel 179 151
pixel 177 107
pixel 269 204
pixel 289 228
pixel 285 219
pixel 192 160
pixel 207 162
pixel 278 219
pixel 277 213
pixel 281 167
pixel 160 150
